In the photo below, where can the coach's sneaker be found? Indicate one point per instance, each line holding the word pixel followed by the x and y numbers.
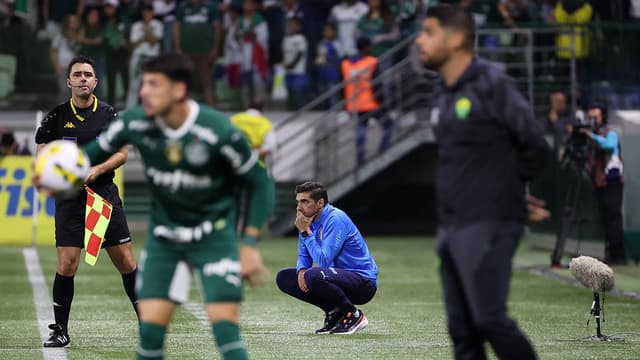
pixel 57 337
pixel 331 319
pixel 351 322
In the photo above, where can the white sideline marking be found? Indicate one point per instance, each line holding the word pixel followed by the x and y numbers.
pixel 197 310
pixel 44 311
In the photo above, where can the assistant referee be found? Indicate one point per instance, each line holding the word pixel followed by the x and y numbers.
pixel 81 119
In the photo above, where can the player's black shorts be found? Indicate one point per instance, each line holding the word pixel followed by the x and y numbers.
pixel 70 219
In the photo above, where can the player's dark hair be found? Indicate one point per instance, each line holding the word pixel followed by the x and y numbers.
pixel 176 67
pixel 316 191
pixel 80 59
pixel 454 17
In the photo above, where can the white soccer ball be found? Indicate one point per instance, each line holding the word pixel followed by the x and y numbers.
pixel 62 167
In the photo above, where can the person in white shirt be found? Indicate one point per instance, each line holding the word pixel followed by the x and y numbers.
pixel 295 50
pixel 255 45
pixel 232 44
pixel 346 16
pixel 145 40
pixel 64 47
pixel 165 11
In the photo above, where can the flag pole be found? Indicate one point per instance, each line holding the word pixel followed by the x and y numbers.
pixel 36 200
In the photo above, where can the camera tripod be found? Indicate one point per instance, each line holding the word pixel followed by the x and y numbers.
pixel 577 175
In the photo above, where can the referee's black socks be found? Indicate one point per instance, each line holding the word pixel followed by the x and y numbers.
pixel 62 297
pixel 129 281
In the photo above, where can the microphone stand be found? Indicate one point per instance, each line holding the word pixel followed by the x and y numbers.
pixel 595 311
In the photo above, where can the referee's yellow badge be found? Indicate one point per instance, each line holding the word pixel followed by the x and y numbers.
pixel 463 108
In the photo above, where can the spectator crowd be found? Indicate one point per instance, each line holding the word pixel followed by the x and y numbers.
pixel 257 48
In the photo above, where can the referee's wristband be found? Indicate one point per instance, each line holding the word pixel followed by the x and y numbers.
pixel 250 240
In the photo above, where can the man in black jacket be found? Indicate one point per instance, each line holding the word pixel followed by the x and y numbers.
pixel 489 147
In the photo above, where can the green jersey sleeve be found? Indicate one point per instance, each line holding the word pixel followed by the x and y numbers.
pixel 255 182
pixel 108 142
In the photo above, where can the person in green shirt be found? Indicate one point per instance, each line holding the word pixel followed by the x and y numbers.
pixel 197 33
pixel 116 33
pixel 92 42
pixel 196 162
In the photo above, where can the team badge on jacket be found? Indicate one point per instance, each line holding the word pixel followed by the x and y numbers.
pixel 196 153
pixel 174 152
pixel 463 108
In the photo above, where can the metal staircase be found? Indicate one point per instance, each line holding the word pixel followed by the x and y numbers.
pixel 321 145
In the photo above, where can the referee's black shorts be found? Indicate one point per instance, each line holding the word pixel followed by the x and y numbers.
pixel 70 219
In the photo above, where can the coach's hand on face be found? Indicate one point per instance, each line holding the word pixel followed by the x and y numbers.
pixel 303 223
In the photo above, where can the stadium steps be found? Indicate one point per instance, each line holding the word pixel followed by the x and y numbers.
pixel 284 215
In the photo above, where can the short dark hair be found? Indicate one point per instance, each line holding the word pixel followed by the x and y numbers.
pixel 80 59
pixel 7 139
pixel 603 109
pixel 175 67
pixel 331 24
pixel 456 18
pixel 316 190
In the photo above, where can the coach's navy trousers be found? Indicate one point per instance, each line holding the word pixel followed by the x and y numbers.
pixel 329 288
pixel 475 272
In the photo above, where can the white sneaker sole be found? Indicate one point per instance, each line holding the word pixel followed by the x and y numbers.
pixel 361 325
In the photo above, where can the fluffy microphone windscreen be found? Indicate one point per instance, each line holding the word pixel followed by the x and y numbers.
pixel 592 273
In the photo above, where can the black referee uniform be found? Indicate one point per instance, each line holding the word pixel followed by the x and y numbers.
pixel 68 122
pixel 489 147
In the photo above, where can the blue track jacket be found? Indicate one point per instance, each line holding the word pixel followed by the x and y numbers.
pixel 336 242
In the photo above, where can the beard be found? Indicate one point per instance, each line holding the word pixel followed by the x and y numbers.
pixel 433 64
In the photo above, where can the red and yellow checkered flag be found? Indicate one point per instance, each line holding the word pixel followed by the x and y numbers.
pixel 97 217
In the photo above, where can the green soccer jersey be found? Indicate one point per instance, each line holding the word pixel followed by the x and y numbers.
pixel 196 30
pixel 194 172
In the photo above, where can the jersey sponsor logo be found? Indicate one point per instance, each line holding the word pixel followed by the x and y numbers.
pixel 226 268
pixel 178 179
pixel 196 153
pixel 69 125
pixel 463 108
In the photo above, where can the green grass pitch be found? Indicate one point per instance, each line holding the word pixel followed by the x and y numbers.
pixel 406 318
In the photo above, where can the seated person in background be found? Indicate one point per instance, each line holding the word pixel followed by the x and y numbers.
pixel 345 274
